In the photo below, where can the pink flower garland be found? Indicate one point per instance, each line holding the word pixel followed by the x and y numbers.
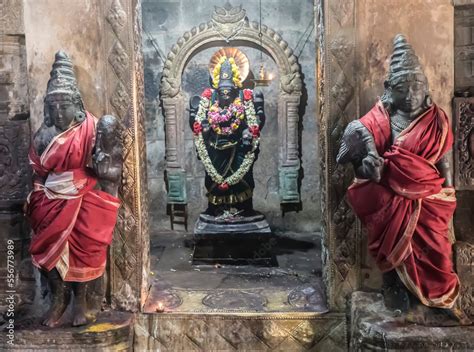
pixel 234 113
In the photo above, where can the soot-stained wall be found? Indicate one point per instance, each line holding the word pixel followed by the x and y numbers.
pixel 164 23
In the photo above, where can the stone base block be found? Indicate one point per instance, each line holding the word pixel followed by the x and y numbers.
pixel 234 251
pixel 234 240
pixel 111 332
pixel 289 332
pixel 209 226
pixel 374 328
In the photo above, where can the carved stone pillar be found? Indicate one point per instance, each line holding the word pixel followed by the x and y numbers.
pixel 464 252
pixel 464 143
pixel 338 103
pixel 288 129
pixel 175 173
pixel 129 264
pixel 14 144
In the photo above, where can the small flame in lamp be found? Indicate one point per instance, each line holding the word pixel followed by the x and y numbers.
pixel 264 78
pixel 262 73
pixel 160 308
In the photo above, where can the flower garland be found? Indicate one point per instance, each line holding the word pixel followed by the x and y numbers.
pixel 234 113
pixel 249 158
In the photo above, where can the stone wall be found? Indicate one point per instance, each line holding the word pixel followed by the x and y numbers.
pixel 428 26
pixel 164 22
pixel 464 149
pixel 72 26
pixel 14 167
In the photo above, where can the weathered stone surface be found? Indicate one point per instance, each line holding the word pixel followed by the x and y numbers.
pixel 74 27
pixel 464 256
pixel 250 332
pixel 428 26
pixel 16 270
pixel 463 2
pixel 374 328
pixel 113 331
pixel 338 100
pixel 11 17
pixel 14 103
pixel 463 219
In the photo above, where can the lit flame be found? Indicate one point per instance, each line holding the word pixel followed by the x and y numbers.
pixel 262 73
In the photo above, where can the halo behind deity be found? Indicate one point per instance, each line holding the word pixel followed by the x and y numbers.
pixel 240 58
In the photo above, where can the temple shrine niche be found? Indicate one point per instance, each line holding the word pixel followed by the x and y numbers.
pixel 238 164
pixel 309 280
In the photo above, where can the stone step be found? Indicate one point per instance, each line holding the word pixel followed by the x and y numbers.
pixel 113 331
pixel 374 328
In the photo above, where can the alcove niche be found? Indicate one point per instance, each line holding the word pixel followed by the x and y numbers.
pixel 286 173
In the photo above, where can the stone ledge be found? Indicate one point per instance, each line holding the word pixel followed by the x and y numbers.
pixel 374 328
pixel 113 331
pixel 230 332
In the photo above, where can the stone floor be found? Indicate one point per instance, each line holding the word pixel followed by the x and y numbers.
pixel 374 328
pixel 293 284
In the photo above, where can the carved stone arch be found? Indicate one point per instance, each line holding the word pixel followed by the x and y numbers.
pixel 232 25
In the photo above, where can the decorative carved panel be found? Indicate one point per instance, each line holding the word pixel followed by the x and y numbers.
pixel 229 24
pixel 124 89
pixel 464 143
pixel 338 104
pixel 464 46
pixel 281 332
pixel 465 268
pixel 14 166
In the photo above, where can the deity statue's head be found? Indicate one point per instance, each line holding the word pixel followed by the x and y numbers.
pixel 406 86
pixel 109 133
pixel 63 106
pixel 226 79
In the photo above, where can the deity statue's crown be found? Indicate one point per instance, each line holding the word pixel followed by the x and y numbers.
pixel 404 61
pixel 62 78
pixel 226 74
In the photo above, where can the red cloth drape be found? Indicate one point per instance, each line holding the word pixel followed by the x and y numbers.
pixel 407 214
pixel 72 222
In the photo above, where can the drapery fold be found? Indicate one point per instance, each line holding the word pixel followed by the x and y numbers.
pixel 72 223
pixel 407 213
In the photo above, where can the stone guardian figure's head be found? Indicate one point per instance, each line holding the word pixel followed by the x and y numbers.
pixel 63 106
pixel 406 86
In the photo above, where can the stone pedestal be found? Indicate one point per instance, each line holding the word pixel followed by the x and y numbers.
pixel 236 240
pixel 374 328
pixel 210 227
pixel 113 331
